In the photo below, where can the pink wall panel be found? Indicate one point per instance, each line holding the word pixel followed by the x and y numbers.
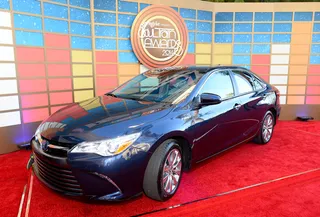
pixel 313 100
pixel 260 69
pixel 314 69
pixel 31 70
pixel 313 90
pixel 59 70
pixel 189 59
pixel 106 56
pixel 32 85
pixel 313 79
pixel 56 40
pixel 60 98
pixel 34 100
pixel 29 54
pixel 60 84
pixel 34 115
pixel 102 91
pixel 107 81
pixel 106 69
pixel 54 55
pixel 55 108
pixel 260 59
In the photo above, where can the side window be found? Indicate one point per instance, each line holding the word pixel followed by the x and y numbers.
pixel 244 81
pixel 257 84
pixel 219 83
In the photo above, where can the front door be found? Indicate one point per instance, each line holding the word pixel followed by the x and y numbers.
pixel 215 125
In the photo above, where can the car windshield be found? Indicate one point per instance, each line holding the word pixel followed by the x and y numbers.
pixel 166 86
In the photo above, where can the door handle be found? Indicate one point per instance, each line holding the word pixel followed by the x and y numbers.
pixel 237 106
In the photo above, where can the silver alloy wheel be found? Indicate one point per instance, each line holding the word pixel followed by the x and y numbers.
pixel 267 128
pixel 171 171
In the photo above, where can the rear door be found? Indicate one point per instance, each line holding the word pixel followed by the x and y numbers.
pixel 248 94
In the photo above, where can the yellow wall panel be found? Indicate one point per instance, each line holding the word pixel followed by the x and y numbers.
pixel 204 59
pixel 124 79
pixel 81 56
pixel 81 95
pixel 128 69
pixel 300 38
pixel 297 79
pixel 222 59
pixel 301 27
pixel 298 69
pixel 300 49
pixel 299 59
pixel 81 69
pixel 295 100
pixel 296 89
pixel 222 49
pixel 203 48
pixel 82 83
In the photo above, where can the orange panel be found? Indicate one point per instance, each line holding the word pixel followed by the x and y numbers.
pixel 295 99
pixel 300 49
pixel 129 69
pixel 299 59
pixel 296 89
pixel 301 39
pixel 301 27
pixel 297 79
pixel 296 70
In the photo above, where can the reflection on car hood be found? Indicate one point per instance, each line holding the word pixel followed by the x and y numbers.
pixel 83 121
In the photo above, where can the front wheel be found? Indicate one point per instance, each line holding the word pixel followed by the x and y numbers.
pixel 266 129
pixel 163 174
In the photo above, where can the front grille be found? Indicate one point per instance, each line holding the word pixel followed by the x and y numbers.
pixel 60 179
pixel 57 149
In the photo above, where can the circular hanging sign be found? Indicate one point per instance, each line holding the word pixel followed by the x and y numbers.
pixel 159 37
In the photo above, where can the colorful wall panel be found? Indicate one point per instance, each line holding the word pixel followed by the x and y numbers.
pixel 56 52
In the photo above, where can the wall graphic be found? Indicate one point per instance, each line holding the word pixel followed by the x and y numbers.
pixel 56 52
pixel 159 37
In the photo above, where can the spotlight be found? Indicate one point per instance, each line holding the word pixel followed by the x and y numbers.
pixel 305 118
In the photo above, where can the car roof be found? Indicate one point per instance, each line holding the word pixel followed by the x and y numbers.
pixel 210 68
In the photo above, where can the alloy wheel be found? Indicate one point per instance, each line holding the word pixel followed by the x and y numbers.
pixel 171 171
pixel 267 128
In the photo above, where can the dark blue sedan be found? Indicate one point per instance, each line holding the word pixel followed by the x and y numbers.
pixel 144 134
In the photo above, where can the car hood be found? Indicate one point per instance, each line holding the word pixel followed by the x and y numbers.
pixel 99 118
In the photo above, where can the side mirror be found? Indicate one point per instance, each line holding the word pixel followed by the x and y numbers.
pixel 209 99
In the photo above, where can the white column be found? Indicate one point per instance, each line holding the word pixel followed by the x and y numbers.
pixel 9 100
pixel 279 69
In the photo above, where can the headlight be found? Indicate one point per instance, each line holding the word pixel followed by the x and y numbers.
pixel 108 147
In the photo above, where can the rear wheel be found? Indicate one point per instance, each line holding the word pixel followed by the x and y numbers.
pixel 163 174
pixel 266 129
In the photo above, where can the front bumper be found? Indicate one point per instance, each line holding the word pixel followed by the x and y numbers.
pixel 90 176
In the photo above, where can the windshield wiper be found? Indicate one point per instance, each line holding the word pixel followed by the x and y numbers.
pixel 111 94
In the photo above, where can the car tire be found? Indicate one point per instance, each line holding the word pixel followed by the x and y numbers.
pixel 266 129
pixel 162 170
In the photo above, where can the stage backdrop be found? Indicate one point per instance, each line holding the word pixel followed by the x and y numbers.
pixel 56 52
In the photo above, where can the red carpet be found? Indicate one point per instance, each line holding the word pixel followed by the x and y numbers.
pixel 13 178
pixel 294 148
